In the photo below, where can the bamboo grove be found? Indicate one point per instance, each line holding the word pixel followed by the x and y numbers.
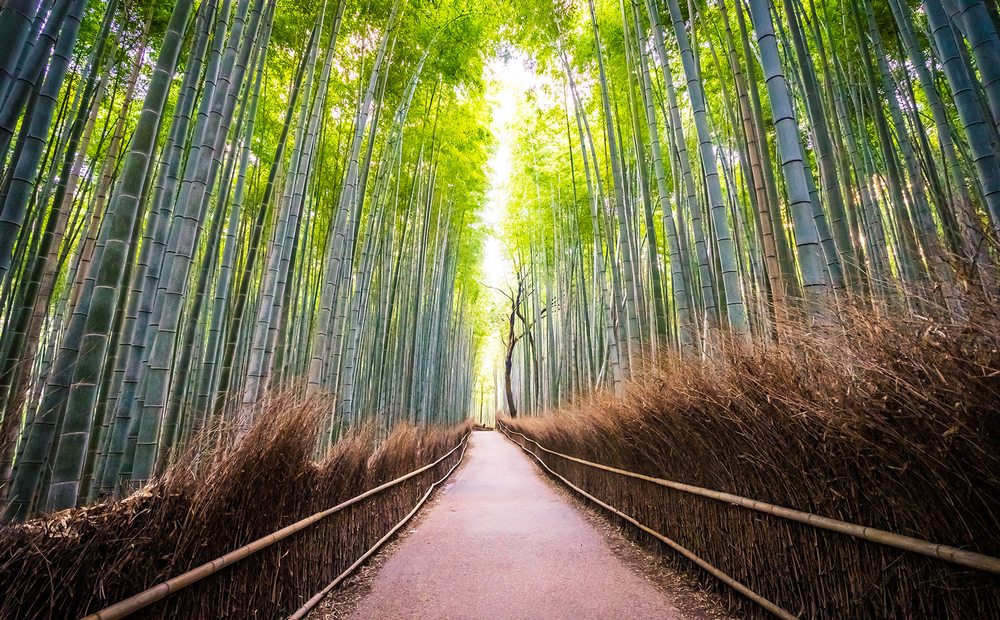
pixel 204 202
pixel 686 171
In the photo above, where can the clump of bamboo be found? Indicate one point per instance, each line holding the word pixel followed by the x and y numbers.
pixel 892 423
pixel 210 502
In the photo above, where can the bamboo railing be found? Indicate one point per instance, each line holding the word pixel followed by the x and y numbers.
pixel 946 553
pixel 171 586
pixel 714 571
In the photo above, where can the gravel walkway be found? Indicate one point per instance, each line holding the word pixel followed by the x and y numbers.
pixel 501 542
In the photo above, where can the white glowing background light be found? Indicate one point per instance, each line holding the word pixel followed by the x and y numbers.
pixel 509 79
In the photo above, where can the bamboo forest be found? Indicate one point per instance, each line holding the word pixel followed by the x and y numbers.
pixel 665 308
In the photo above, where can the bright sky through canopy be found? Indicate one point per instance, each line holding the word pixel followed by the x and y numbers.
pixel 509 78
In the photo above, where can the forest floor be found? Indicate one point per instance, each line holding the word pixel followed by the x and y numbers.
pixel 501 541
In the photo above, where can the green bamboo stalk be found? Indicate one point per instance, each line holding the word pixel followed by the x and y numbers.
pixel 807 244
pixel 116 238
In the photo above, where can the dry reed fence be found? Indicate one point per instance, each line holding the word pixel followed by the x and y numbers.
pixel 77 562
pixel 893 424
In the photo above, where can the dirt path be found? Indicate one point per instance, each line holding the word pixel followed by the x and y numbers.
pixel 501 542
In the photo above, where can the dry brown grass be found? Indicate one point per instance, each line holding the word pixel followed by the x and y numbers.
pixel 75 562
pixel 893 423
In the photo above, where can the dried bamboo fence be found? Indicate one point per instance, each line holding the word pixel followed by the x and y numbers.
pixel 780 561
pixel 268 576
pixel 318 529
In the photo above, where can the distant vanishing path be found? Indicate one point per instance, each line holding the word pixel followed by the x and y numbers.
pixel 501 543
